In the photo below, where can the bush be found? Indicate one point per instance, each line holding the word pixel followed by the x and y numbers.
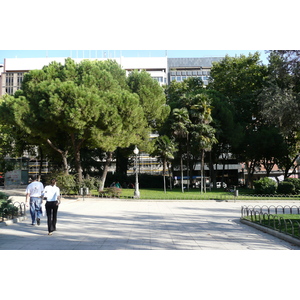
pixel 114 192
pixel 296 183
pixel 91 183
pixel 111 192
pixel 286 188
pixel 265 186
pixel 7 209
pixel 66 183
pixel 3 196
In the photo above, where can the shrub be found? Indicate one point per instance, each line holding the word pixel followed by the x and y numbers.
pixel 7 209
pixel 91 183
pixel 3 196
pixel 114 192
pixel 265 186
pixel 66 183
pixel 111 192
pixel 296 183
pixel 286 188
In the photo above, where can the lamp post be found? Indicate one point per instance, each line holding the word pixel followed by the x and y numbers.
pixel 136 190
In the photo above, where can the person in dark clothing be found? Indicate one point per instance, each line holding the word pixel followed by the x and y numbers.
pixel 52 197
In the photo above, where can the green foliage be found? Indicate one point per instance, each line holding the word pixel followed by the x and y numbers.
pixel 113 192
pixel 88 104
pixel 7 209
pixel 151 95
pixel 3 196
pixel 90 183
pixel 66 183
pixel 296 183
pixel 265 186
pixel 286 188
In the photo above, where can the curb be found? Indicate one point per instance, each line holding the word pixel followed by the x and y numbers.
pixel 275 233
pixel 10 222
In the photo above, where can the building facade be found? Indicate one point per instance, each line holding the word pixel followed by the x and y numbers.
pixel 162 69
pixel 180 69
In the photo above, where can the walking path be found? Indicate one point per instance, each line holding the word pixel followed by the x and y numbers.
pixel 107 224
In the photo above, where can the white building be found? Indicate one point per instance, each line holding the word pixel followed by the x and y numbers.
pixel 162 69
pixel 13 70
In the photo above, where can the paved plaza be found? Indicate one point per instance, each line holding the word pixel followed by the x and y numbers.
pixel 109 224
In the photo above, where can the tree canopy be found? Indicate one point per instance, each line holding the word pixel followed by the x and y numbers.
pixel 86 104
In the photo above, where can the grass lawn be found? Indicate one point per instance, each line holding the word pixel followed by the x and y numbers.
pixel 194 194
pixel 286 223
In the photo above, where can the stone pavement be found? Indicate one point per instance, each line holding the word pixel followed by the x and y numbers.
pixel 108 224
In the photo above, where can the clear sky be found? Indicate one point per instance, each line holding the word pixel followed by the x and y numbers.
pixel 125 53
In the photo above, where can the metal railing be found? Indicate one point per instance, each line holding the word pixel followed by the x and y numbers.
pixel 271 217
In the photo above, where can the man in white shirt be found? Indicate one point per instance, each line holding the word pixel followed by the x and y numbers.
pixel 33 194
pixel 52 196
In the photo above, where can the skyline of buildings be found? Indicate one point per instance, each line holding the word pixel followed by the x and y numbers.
pixel 162 69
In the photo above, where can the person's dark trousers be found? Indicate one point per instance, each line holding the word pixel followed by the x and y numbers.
pixel 51 210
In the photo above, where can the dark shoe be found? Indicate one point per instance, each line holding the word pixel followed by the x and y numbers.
pixel 38 221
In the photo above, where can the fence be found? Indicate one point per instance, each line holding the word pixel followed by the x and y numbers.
pixel 273 217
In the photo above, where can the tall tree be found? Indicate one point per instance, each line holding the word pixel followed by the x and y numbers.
pixel 89 102
pixel 240 80
pixel 280 102
pixel 151 96
pixel 164 151
pixel 191 119
pixel 180 123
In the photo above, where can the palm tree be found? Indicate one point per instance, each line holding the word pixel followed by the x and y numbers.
pixel 180 130
pixel 164 151
pixel 202 132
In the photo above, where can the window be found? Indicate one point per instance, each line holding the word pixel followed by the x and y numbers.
pixel 19 79
pixel 9 90
pixel 159 79
pixel 9 79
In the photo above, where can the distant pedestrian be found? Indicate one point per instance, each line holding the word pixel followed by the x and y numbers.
pixel 52 197
pixel 34 194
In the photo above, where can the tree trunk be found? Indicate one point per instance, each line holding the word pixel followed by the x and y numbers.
pixel 105 170
pixel 202 171
pixel 121 162
pixel 63 155
pixel 181 171
pixel 170 175
pixel 77 143
pixel 164 175
pixel 78 165
pixel 211 171
pixel 41 163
